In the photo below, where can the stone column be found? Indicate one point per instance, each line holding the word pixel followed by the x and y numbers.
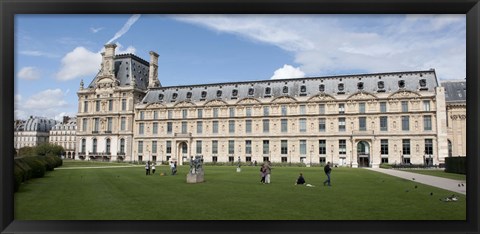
pixel 442 142
pixel 153 73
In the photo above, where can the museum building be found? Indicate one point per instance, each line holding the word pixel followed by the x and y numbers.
pixel 353 120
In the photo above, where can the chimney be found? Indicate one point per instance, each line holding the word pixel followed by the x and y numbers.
pixel 153 74
pixel 108 59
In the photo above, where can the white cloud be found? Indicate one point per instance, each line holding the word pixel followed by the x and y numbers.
pixel 288 71
pixel 125 27
pixel 38 53
pixel 48 103
pixel 326 45
pixel 128 50
pixel 80 62
pixel 95 30
pixel 29 73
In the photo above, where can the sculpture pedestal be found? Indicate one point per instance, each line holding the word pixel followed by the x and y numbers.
pixel 193 178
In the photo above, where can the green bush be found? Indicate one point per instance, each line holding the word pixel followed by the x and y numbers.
pixel 456 165
pixel 26 169
pixel 19 175
pixel 385 166
pixel 37 165
pixel 51 162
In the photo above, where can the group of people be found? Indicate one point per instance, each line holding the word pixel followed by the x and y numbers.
pixel 326 169
pixel 265 171
pixel 149 167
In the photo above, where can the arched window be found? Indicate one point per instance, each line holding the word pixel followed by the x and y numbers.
pixel 174 96
pixel 321 88
pixel 341 87
pixel 234 92
pixel 381 85
pixel 401 84
pixel 268 90
pixel 219 93
pixel 285 89
pixel 160 97
pixel 250 91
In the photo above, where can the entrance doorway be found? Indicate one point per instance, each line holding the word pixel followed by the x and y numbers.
pixel 363 153
pixel 182 153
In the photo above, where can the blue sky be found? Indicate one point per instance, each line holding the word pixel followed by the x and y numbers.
pixel 54 52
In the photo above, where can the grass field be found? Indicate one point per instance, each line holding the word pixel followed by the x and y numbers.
pixel 440 173
pixel 126 193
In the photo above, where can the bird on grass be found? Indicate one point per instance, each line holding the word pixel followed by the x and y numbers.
pixel 415 186
pixel 431 194
pixel 413 178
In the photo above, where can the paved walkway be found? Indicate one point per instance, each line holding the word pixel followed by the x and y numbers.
pixel 439 182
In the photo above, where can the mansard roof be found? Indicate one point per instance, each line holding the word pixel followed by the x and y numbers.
pixel 455 91
pixel 297 87
pixel 128 67
pixel 71 124
pixel 37 124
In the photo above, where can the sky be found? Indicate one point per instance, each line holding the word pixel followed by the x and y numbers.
pixel 53 53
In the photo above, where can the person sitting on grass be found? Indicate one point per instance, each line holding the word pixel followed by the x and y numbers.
pixel 300 180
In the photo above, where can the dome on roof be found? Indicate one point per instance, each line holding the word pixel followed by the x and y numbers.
pixel 38 124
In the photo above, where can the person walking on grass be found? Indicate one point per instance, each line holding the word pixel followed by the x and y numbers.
pixel 262 174
pixel 153 168
pixel 327 170
pixel 268 171
pixel 147 168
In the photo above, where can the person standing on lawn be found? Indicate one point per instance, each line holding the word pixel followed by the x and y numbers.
pixel 327 170
pixel 147 168
pixel 153 168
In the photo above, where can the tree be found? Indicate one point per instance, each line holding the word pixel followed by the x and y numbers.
pixel 49 149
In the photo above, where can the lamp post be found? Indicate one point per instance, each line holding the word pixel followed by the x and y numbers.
pixel 290 157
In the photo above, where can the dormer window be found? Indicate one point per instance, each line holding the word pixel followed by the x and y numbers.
pixel 401 84
pixel 321 88
pixel 204 94
pixel 423 83
pixel 360 85
pixel 174 96
pixel 160 97
pixel 235 92
pixel 285 89
pixel 268 90
pixel 341 87
pixel 189 94
pixel 219 93
pixel 250 91
pixel 381 85
pixel 303 88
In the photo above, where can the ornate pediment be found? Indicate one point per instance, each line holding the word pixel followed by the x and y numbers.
pixel 247 101
pixel 106 82
pixel 155 105
pixel 404 94
pixel 321 97
pixel 215 102
pixel 362 96
pixel 284 99
pixel 184 104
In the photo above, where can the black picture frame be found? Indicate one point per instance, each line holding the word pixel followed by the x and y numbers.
pixel 8 8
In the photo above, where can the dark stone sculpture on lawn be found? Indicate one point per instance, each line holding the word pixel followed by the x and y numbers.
pixel 196 174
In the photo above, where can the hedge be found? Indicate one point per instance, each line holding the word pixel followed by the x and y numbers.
pixel 33 167
pixel 456 165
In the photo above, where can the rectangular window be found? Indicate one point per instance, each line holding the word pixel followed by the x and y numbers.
pixel 215 112
pixel 140 147
pixel 184 114
pixel 428 146
pixel 184 127
pixel 214 147
pixel 404 106
pixel 169 127
pixel 169 147
pixel 322 147
pixel 406 146
pixel 303 147
pixel 155 114
pixel 248 126
pixel 84 127
pixel 303 125
pixel 342 146
pixel 383 107
pixel 266 147
pixel 199 127
pixel 361 107
pixel 124 104
pixel 155 128
pixel 142 115
pixel 303 109
pixel 215 126
pixel 341 124
pixel 405 123
pixel 232 111
pixel 266 126
pixel 426 105
pixel 97 105
pixel 141 128
pixel 321 108
pixel 284 147
pixel 110 105
pixel 383 123
pixel 95 124
pixel 200 113
pixel 122 123
pixel 109 124
pixel 199 147
pixel 231 147
pixel 248 147
pixel 322 125
pixel 231 126
pixel 284 125
pixel 248 111
pixel 427 123
pixel 284 110
pixel 266 111
pixel 170 114
pixel 362 123
pixel 384 147
pixel 341 108
pixel 85 106
pixel 154 147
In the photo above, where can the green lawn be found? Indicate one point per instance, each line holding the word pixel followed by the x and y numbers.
pixel 440 173
pixel 128 194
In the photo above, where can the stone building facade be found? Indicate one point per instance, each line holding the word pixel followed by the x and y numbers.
pixel 63 134
pixel 456 101
pixel 356 120
pixel 32 132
